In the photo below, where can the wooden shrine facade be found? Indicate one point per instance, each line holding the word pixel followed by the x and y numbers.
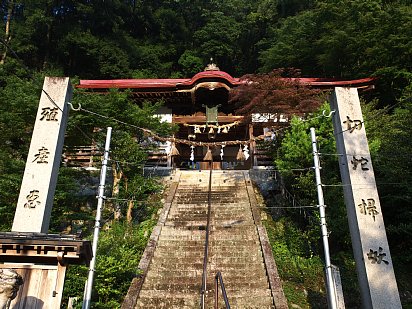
pixel 199 106
pixel 41 260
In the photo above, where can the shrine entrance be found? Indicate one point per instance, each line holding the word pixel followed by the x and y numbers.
pixel 225 157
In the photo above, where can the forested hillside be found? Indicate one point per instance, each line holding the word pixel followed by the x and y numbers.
pixel 107 39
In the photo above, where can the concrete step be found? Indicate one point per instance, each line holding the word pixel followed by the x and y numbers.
pixel 157 300
pixel 214 251
pixel 167 274
pixel 241 267
pixel 214 210
pixel 226 212
pixel 168 230
pixel 251 258
pixel 187 266
pixel 242 302
pixel 229 281
pixel 222 264
pixel 196 286
pixel 235 206
pixel 203 217
pixel 182 294
pixel 201 224
pixel 213 243
pixel 195 237
pixel 231 236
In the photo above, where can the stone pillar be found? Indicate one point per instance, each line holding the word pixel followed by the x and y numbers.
pixel 39 181
pixel 371 250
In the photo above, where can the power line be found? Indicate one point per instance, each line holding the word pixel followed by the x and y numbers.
pixel 182 141
pixel 127 200
pixel 77 127
pixel 366 185
pixel 127 163
pixel 379 113
pixel 288 207
pixel 366 154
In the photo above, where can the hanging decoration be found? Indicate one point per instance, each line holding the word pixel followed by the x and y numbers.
pixel 197 129
pixel 208 156
pixel 221 152
pixel 169 140
pixel 168 147
pixel 246 152
pixel 192 153
pixel 240 155
pixel 174 151
pixel 200 144
pixel 224 128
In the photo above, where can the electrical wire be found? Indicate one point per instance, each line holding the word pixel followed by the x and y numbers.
pixel 77 127
pixel 126 200
pixel 367 185
pixel 365 154
pixel 126 163
pixel 378 114
pixel 288 207
pixel 183 141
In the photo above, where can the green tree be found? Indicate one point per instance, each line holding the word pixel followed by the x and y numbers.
pixel 19 95
pixel 295 159
pixel 388 135
pixel 346 39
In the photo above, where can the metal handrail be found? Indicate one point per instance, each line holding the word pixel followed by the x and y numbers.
pixel 204 275
pixel 219 278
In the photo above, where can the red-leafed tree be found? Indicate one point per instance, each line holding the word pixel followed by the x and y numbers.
pixel 273 92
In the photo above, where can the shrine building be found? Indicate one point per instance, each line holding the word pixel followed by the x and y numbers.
pixel 207 122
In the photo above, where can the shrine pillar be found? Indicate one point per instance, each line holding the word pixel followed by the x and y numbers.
pixel 40 175
pixel 41 259
pixel 370 245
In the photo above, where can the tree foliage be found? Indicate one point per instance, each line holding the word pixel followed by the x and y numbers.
pixel 272 93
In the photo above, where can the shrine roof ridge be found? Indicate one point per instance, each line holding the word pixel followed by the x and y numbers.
pixel 154 83
pixel 174 84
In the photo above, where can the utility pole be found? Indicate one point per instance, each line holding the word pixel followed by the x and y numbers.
pixel 330 286
pixel 100 199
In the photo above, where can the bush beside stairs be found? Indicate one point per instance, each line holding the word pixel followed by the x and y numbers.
pixel 172 264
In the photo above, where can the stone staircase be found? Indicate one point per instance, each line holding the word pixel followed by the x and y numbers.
pixel 173 262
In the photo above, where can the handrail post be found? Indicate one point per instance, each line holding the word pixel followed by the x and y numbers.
pixel 219 278
pixel 204 275
pixel 216 292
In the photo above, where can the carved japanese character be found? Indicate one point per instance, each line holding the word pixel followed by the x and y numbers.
pixel 362 161
pixel 32 201
pixel 49 114
pixel 376 257
pixel 368 208
pixel 42 155
pixel 352 125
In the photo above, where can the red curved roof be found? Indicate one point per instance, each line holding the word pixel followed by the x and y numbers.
pixel 328 82
pixel 210 76
pixel 173 83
